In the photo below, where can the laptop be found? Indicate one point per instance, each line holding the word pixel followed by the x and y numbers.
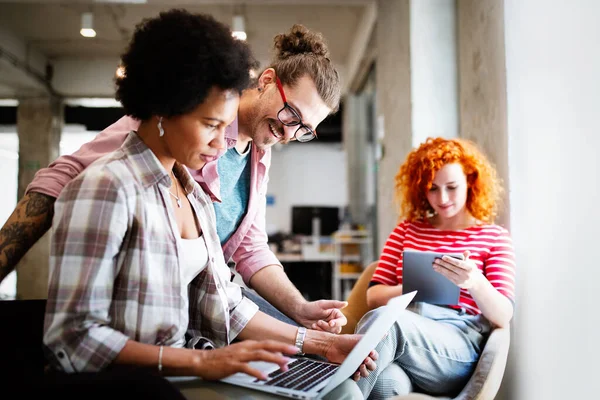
pixel 432 287
pixel 307 378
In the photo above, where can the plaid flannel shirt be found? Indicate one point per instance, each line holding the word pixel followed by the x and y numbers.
pixel 114 270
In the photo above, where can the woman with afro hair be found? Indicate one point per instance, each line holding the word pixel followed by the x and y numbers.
pixel 448 194
pixel 138 281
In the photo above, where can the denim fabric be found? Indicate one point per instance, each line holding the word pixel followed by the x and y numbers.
pixel 436 348
pixel 346 390
pixel 266 307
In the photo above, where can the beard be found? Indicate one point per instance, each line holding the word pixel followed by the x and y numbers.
pixel 256 126
pixel 262 135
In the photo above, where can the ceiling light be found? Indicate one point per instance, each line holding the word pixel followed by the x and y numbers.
pixel 87 25
pixel 239 27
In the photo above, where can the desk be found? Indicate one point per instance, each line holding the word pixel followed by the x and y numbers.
pixel 197 389
pixel 298 257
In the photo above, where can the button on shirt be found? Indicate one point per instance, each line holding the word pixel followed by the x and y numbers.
pixel 114 267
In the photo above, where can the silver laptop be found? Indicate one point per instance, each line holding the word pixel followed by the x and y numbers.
pixel 311 379
pixel 418 275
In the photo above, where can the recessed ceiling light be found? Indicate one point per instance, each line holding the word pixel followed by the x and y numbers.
pixel 239 27
pixel 87 25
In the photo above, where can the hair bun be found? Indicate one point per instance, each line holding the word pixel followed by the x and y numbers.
pixel 300 40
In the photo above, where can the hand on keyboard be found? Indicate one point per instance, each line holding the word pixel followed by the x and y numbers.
pixel 220 363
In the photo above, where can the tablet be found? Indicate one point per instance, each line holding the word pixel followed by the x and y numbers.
pixel 431 286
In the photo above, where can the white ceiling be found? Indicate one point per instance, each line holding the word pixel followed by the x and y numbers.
pixel 51 27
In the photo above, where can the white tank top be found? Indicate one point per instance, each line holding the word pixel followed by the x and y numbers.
pixel 193 258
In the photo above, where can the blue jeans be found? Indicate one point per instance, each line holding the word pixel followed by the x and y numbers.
pixel 267 307
pixel 430 349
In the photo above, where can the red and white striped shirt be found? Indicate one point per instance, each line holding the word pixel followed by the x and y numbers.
pixel 490 247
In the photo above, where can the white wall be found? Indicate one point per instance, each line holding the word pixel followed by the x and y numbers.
pixel 305 174
pixel 9 164
pixel 553 88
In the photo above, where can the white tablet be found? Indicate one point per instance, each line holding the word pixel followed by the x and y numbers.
pixel 431 286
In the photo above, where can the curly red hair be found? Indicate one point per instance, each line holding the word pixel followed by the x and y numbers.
pixel 415 177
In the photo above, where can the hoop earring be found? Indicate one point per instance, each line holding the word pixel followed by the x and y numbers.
pixel 161 131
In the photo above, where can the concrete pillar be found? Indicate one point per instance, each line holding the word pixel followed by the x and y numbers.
pixel 482 93
pixel 433 69
pixel 355 126
pixel 417 87
pixel 393 105
pixel 39 125
pixel 482 87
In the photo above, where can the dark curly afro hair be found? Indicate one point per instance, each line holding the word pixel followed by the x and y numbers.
pixel 174 59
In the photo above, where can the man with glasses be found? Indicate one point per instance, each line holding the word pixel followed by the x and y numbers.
pixel 291 98
pixel 288 116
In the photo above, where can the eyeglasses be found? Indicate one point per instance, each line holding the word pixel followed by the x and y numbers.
pixel 288 116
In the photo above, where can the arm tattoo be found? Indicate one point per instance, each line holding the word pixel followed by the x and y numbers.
pixel 29 221
pixel 40 204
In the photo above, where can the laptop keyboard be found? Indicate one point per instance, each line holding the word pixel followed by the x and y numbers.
pixel 302 374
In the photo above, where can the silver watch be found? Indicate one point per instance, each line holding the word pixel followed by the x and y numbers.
pixel 300 340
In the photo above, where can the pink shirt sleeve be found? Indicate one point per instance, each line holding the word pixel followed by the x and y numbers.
pixel 51 180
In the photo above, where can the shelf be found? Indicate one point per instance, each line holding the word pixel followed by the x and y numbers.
pixel 352 233
pixel 351 241
pixel 350 258
pixel 349 275
pixel 319 257
pixel 351 248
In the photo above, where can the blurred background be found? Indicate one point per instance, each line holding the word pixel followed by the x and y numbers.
pixel 520 78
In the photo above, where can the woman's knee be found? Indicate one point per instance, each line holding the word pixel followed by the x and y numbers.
pixel 347 390
pixel 392 381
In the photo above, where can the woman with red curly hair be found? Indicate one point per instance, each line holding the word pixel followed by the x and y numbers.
pixel 448 193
